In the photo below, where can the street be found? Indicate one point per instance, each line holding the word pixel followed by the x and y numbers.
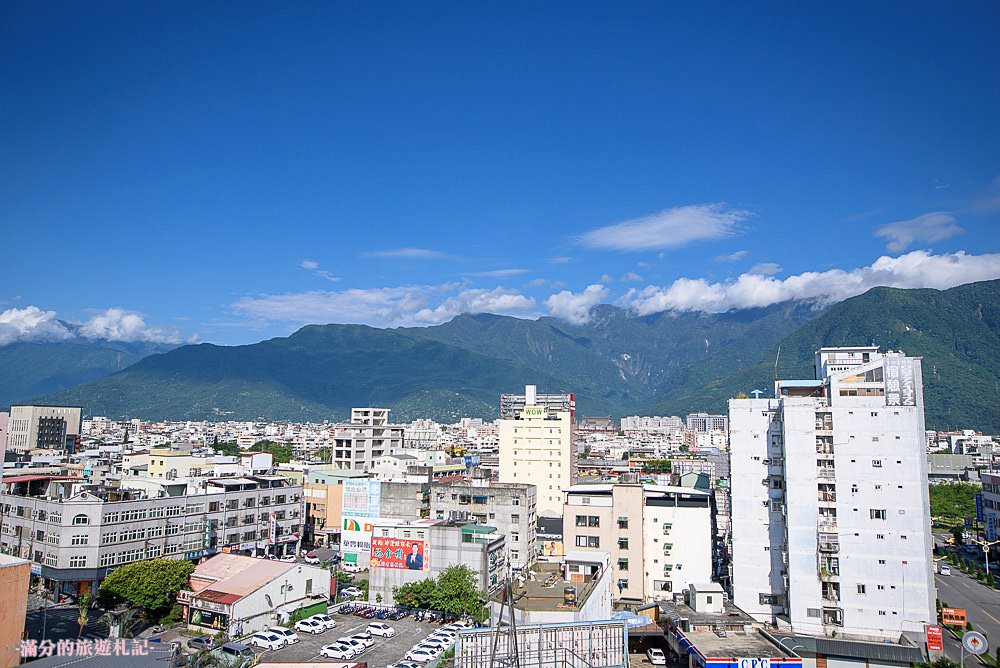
pixel 981 603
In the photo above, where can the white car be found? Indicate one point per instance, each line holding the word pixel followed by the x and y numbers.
pixel 420 655
pixel 656 656
pixel 437 641
pixel 437 650
pixel 351 568
pixel 287 635
pixel 265 640
pixel 288 558
pixel 380 629
pixel 364 638
pixel 325 620
pixel 339 651
pixel 352 592
pixel 356 645
pixel 313 626
pixel 444 633
pixel 311 559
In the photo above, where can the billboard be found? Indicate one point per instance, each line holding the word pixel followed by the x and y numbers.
pixel 980 517
pixel 400 553
pixel 356 534
pixel 935 639
pixel 362 497
pixel 900 381
pixel 953 616
pixel 209 620
pixel 593 644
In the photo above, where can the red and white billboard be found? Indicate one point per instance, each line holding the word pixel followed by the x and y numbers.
pixel 935 640
pixel 402 553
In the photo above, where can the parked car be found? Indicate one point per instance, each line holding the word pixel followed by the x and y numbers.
pixel 266 640
pixel 325 620
pixel 656 656
pixel 311 558
pixel 352 592
pixel 201 642
pixel 357 645
pixel 420 655
pixel 285 634
pixel 380 629
pixel 287 558
pixel 338 651
pixel 234 653
pixel 352 568
pixel 364 638
pixel 313 626
pixel 441 643
pixel 403 664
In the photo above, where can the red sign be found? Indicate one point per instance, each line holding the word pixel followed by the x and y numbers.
pixel 935 640
pixel 398 553
pixel 953 616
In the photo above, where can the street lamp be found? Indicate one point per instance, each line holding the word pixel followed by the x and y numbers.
pixel 986 550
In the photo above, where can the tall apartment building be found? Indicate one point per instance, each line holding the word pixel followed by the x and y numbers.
pixel 659 537
pixel 536 445
pixel 369 436
pixel 510 507
pixel 75 533
pixel 991 507
pixel 51 427
pixel 703 422
pixel 830 515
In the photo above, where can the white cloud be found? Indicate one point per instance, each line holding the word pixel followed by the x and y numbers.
pixel 408 253
pixel 631 276
pixel 383 307
pixel 765 269
pixel 31 324
pixel 314 267
pixel 498 300
pixel 732 257
pixel 499 273
pixel 917 269
pixel 927 228
pixel 667 229
pixel 117 324
pixel 605 278
pixel 561 259
pixel 575 307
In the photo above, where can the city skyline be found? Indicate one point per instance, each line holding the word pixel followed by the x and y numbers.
pixel 226 176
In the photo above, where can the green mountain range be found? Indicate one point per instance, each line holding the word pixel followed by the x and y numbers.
pixel 617 364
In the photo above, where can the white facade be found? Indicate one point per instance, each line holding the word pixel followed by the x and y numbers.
pixel 30 427
pixel 536 448
pixel 831 526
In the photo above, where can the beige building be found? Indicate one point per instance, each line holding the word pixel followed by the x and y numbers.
pixel 659 537
pixel 536 448
pixel 49 427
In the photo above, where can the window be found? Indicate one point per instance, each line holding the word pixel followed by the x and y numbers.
pixel 881 562
pixel 623 543
pixel 515 501
pixel 78 540
pixel 877 463
pixel 515 536
pixel 623 564
pixel 622 584
pixel 77 562
pixel 515 518
pixel 880 536
pixel 81 519
pixel 861 589
pixel 588 541
pixel 877 513
pixel 623 523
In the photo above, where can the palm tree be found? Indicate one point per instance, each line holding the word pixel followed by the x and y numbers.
pixel 120 624
pixel 84 604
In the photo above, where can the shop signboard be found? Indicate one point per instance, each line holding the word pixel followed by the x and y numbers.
pixel 399 553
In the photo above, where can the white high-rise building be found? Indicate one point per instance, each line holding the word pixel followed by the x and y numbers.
pixel 536 445
pixel 830 515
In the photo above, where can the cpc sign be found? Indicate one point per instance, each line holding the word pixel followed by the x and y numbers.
pixel 753 663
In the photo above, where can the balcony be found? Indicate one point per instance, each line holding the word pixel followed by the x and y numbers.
pixel 827 497
pixel 833 616
pixel 829 546
pixel 827 524
pixel 826 473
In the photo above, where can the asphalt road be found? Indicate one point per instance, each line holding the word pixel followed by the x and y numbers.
pixel 981 603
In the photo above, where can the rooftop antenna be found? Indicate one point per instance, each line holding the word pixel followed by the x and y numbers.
pixel 776 358
pixel 512 658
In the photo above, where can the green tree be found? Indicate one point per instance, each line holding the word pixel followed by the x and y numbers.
pixel 324 455
pixel 228 449
pixel 84 605
pixel 282 454
pixel 953 502
pixel 151 585
pixel 120 624
pixel 418 594
pixel 457 592
pixel 956 532
pixel 656 466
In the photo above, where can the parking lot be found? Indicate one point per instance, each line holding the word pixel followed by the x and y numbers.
pixel 385 651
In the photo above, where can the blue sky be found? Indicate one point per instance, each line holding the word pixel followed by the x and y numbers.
pixel 229 172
